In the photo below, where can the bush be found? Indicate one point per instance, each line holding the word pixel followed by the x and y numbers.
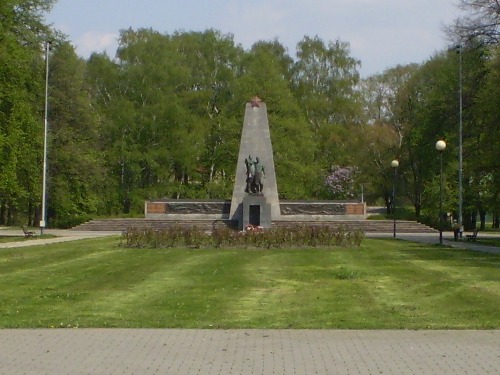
pixel 280 237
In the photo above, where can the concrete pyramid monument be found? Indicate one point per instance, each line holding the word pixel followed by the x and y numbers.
pixel 262 207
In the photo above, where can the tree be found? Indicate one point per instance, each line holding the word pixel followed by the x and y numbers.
pixel 214 63
pixel 380 93
pixel 168 114
pixel 486 165
pixel 385 135
pixel 325 79
pixel 151 127
pixel 75 174
pixel 381 146
pixel 426 111
pixel 478 33
pixel 21 35
pixel 481 23
pixel 325 83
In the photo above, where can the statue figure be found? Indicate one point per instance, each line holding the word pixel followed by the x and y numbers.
pixel 250 174
pixel 259 173
pixel 255 172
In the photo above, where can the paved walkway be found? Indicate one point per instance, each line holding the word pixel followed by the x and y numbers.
pixel 61 236
pixel 71 235
pixel 178 351
pixel 433 239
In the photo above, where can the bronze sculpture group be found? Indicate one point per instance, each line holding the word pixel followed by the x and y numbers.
pixel 255 173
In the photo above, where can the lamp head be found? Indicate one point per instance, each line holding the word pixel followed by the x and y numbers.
pixel 440 145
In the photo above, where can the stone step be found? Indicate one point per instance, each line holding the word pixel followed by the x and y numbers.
pixel 368 226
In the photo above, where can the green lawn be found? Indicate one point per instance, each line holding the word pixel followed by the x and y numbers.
pixel 492 241
pixel 383 284
pixel 4 239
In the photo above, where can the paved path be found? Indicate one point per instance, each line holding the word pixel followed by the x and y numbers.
pixel 433 239
pixel 62 236
pixel 71 235
pixel 177 351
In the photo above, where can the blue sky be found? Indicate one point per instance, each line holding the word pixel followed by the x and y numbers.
pixel 381 33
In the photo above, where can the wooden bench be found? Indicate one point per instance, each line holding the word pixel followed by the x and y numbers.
pixel 27 233
pixel 471 237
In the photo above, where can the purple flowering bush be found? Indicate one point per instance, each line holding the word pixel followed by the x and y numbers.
pixel 340 182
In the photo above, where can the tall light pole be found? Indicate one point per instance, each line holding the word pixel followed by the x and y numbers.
pixel 460 137
pixel 44 178
pixel 395 165
pixel 440 146
pixel 459 50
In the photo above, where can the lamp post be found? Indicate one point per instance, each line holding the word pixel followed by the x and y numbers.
pixel 459 50
pixel 395 165
pixel 440 146
pixel 44 178
pixel 460 144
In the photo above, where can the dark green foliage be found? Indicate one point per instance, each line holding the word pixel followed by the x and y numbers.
pixel 75 168
pixel 21 81
pixel 280 237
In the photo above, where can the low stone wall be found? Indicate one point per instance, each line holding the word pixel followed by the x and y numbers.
pixel 191 209
pixel 322 210
pixel 177 209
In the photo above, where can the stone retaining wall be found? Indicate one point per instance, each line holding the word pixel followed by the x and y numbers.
pixel 289 210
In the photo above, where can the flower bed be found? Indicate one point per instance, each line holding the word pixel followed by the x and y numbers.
pixel 251 237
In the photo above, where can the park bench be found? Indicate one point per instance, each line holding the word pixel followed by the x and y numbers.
pixel 28 233
pixel 472 237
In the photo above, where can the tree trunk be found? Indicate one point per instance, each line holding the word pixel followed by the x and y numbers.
pixel 388 204
pixel 126 204
pixel 11 215
pixel 482 218
pixel 469 220
pixel 3 214
pixel 29 221
pixel 418 208
pixel 37 216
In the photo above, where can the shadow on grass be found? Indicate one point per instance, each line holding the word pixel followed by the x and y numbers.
pixel 6 239
pixel 488 241
pixel 448 254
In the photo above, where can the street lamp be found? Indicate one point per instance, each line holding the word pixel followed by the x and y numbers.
pixel 395 165
pixel 459 50
pixel 440 146
pixel 44 189
pixel 460 143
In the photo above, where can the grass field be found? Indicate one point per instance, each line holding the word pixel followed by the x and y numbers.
pixel 385 283
pixel 489 241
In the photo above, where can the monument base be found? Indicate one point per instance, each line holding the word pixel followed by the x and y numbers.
pixel 256 212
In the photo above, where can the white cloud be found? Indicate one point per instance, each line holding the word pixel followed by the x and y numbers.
pixel 95 41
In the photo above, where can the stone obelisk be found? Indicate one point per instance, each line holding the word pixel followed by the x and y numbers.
pixel 255 141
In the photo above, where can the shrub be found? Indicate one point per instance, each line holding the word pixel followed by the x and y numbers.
pixel 275 238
